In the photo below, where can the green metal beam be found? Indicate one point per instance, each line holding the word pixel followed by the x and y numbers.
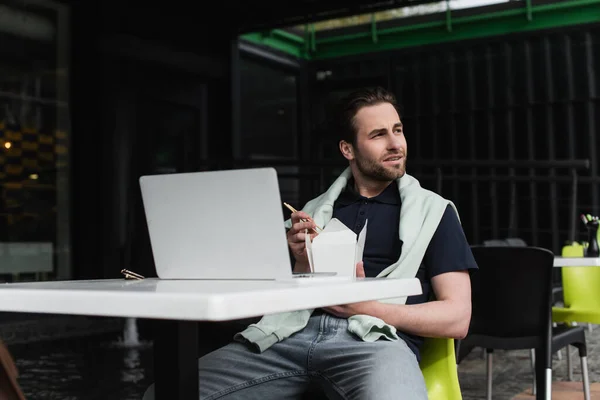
pixel 373 28
pixel 313 38
pixel 524 19
pixel 448 16
pixel 280 40
pixel 448 28
pixel 529 11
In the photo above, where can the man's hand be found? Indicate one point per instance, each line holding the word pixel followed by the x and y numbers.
pixel 348 310
pixel 296 238
pixel 360 270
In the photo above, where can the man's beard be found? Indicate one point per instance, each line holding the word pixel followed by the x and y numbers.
pixel 374 170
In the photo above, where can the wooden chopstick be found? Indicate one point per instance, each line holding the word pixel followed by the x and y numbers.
pixel 292 209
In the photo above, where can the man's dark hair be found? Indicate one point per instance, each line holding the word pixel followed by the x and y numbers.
pixel 350 104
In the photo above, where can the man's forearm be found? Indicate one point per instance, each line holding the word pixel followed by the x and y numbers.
pixel 444 318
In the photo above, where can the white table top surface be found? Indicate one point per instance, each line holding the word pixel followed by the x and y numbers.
pixel 198 300
pixel 577 261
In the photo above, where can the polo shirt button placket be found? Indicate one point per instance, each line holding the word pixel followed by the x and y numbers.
pixel 361 218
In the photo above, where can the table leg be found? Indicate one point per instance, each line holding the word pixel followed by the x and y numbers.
pixel 176 360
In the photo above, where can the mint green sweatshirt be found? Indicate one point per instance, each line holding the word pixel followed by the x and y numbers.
pixel 420 214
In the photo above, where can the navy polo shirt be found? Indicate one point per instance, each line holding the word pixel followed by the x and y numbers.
pixel 448 249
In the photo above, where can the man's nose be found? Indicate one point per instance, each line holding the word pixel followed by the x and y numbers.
pixel 394 142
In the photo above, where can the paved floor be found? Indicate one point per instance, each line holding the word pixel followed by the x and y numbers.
pixel 565 391
pixel 512 374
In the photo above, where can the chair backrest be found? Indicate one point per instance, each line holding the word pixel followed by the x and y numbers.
pixel 581 285
pixel 438 364
pixel 511 291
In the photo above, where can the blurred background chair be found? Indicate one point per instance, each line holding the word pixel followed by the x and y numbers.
pixel 517 242
pixel 581 295
pixel 512 302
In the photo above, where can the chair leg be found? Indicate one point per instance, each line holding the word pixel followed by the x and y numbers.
pixel 569 365
pixel 548 375
pixel 586 378
pixel 559 352
pixel 489 374
pixel 532 354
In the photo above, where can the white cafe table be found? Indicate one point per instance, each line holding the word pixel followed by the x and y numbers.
pixel 576 261
pixel 176 306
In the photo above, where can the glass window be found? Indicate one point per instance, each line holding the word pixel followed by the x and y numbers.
pixel 34 142
pixel 268 112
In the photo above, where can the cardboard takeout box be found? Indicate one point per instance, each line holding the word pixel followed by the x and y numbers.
pixel 336 249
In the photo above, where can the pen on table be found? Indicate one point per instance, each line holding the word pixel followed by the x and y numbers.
pixel 292 209
pixel 131 275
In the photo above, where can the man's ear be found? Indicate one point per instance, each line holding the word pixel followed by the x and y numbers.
pixel 347 150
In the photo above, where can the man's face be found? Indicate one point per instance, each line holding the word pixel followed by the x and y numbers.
pixel 380 149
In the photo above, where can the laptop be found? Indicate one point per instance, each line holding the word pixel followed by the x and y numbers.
pixel 218 225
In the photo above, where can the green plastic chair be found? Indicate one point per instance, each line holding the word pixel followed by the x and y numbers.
pixel 438 364
pixel 581 292
pixel 581 296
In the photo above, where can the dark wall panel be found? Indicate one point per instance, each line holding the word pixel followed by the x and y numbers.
pixel 141 104
pixel 525 101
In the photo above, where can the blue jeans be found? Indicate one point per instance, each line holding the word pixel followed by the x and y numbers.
pixel 323 354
